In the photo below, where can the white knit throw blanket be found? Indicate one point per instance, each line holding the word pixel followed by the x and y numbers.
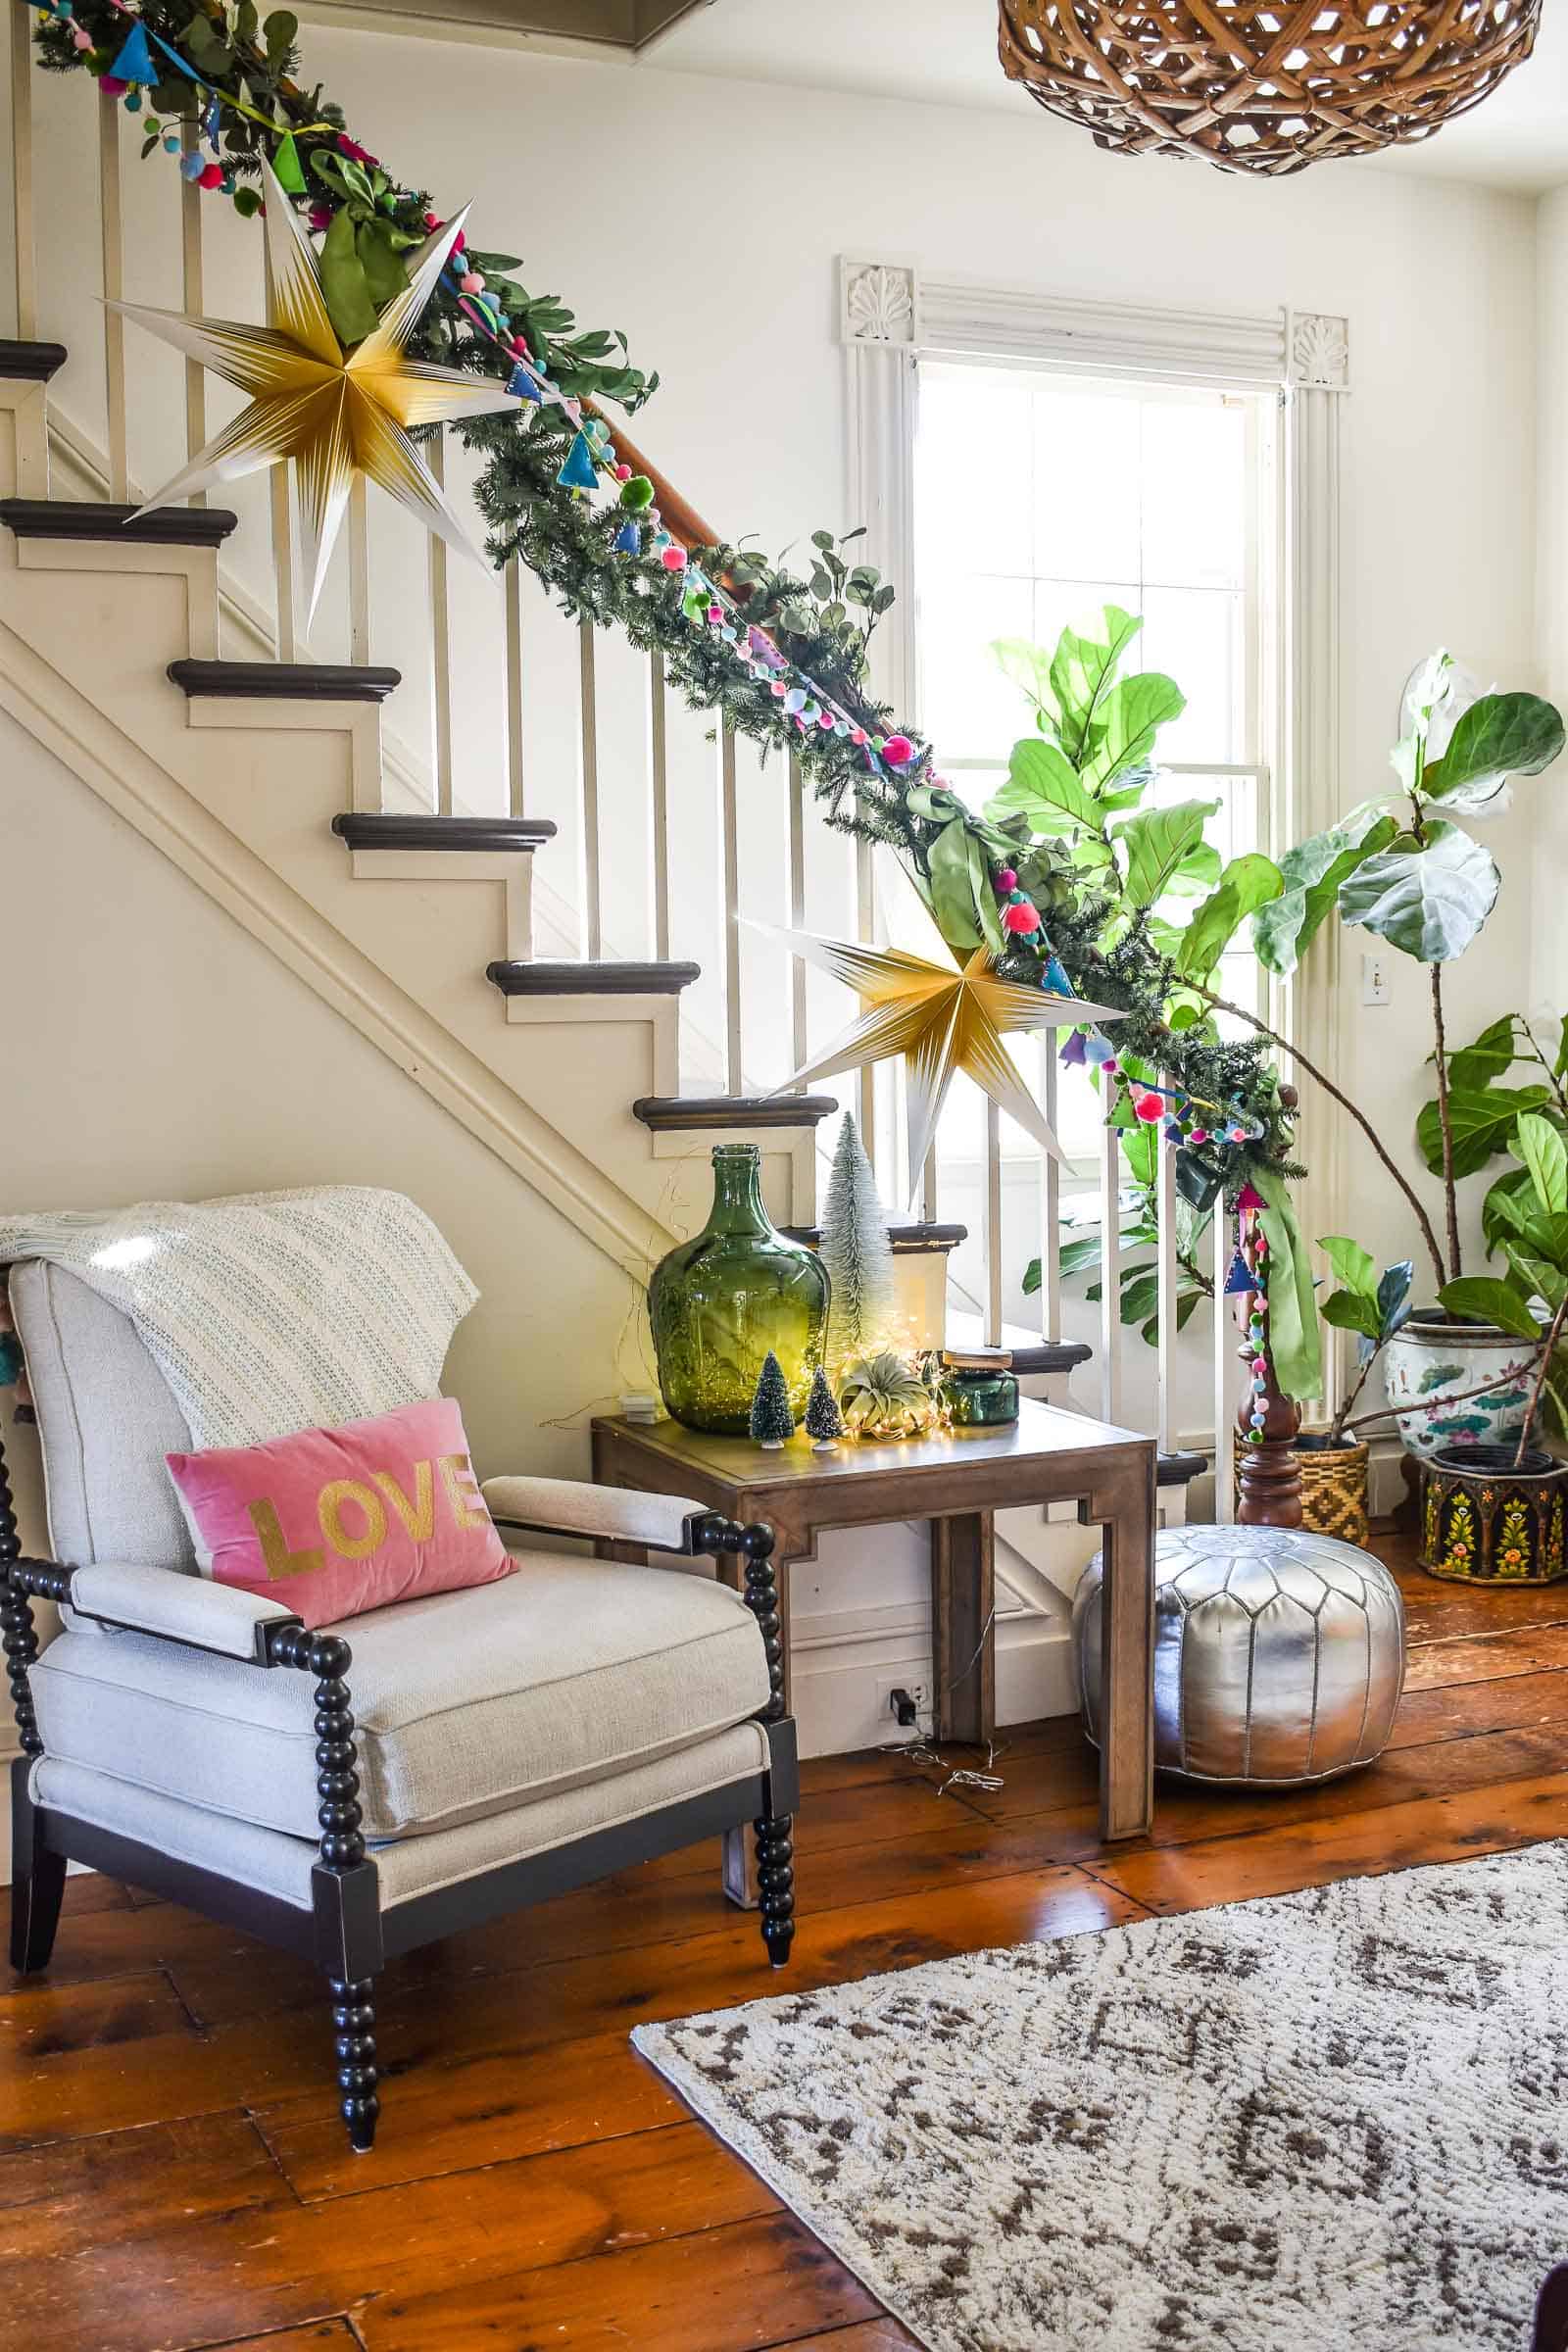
pixel 271 1312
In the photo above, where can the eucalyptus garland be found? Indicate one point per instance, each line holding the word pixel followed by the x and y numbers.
pixel 231 76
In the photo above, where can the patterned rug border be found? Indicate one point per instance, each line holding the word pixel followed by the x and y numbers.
pixel 651 2041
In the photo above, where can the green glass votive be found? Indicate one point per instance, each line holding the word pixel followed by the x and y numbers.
pixel 980 1400
pixel 718 1304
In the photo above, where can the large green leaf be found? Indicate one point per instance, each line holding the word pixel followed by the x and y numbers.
pixel 1081 671
pixel 1487 1058
pixel 1482 1119
pixel 1535 1274
pixel 1311 872
pixel 1347 1311
pixel 1247 884
pixel 1028 666
pixel 1491 1301
pixel 1426 898
pixel 1502 735
pixel 1043 785
pixel 1129 715
pixel 1354 1266
pixel 1540 1146
pixel 1157 840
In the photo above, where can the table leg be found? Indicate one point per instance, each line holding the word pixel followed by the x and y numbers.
pixel 963 1648
pixel 1127 1655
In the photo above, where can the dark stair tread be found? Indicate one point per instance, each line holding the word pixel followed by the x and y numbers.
pixel 1178 1469
pixel 93 518
pixel 1029 1352
pixel 517 978
pixel 30 363
pixel 908 1240
pixel 672 1114
pixel 375 830
pixel 301 681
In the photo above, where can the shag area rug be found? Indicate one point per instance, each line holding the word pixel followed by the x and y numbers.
pixel 1331 2122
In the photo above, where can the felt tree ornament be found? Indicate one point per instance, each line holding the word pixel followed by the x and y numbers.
pixel 857 1252
pixel 772 1421
pixel 825 1423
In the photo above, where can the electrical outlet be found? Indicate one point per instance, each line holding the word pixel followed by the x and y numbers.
pixel 919 1689
pixel 1374 978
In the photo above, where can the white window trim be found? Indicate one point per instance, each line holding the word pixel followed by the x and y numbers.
pixel 890 316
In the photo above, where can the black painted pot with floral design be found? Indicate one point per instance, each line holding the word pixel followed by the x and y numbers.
pixel 1483 1522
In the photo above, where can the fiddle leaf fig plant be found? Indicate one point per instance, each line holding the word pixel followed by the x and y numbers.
pixel 1537 1253
pixel 1373 1305
pixel 1403 870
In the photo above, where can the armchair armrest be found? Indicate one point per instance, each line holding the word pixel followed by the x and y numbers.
pixel 222 1618
pixel 569 1506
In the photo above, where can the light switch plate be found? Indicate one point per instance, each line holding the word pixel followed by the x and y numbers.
pixel 1374 978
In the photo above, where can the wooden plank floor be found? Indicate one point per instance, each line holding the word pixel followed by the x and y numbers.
pixel 173 2173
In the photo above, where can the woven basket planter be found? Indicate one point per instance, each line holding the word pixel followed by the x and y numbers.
pixel 1334 1490
pixel 1262 89
pixel 1483 1522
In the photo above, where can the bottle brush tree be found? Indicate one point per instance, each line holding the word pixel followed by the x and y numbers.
pixel 825 1423
pixel 857 1252
pixel 772 1419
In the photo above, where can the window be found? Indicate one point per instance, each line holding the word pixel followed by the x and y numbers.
pixel 1041 497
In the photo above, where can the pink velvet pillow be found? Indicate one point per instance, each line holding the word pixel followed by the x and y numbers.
pixel 333 1521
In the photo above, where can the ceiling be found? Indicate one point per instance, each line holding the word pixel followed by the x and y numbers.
pixel 944 52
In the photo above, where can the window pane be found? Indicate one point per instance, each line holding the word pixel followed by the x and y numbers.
pixel 1086 518
pixel 1194 494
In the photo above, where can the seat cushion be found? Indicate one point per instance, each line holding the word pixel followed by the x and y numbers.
pixel 464 1702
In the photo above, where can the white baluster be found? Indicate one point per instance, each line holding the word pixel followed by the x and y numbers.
pixel 1225 1373
pixel 797 858
pixel 359 536
pixel 513 580
pixel 440 642
pixel 195 298
pixel 114 261
pixel 21 173
pixel 283 563
pixel 1166 1274
pixel 730 909
pixel 593 921
pixel 991 1225
pixel 658 803
pixel 865 932
pixel 1110 1262
pixel 1050 1198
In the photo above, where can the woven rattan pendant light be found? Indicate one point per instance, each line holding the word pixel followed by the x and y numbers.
pixel 1263 89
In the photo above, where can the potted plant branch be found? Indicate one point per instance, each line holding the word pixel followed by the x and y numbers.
pixel 1401 868
pixel 1492 1514
pixel 1335 1461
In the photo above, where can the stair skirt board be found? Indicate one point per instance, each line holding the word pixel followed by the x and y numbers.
pixel 612 979
pixel 370 830
pixel 306 681
pixel 671 1114
pixel 84 518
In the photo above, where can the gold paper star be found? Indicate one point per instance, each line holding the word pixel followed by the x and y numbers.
pixel 941 1017
pixel 336 413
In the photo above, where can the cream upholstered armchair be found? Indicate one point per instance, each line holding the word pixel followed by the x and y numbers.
pixel 499 1744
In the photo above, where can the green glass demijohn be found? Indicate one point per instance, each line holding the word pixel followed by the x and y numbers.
pixel 719 1301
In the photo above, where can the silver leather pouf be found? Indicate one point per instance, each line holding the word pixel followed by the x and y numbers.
pixel 1278 1655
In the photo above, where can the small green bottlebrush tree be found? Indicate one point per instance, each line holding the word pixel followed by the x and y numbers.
pixel 772 1421
pixel 825 1423
pixel 857 1252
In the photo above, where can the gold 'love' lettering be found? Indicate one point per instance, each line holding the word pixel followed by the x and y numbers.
pixel 330 1512
pixel 418 1516
pixel 280 1562
pixel 416 1513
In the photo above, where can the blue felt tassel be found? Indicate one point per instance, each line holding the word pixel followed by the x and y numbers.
pixel 1056 980
pixel 136 60
pixel 1075 1050
pixel 522 384
pixel 1098 1051
pixel 1240 1278
pixel 628 540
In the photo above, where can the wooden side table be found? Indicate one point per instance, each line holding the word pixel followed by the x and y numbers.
pixel 956 1480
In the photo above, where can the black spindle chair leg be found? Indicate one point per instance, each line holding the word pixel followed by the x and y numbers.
pixel 776 1883
pixel 354 2023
